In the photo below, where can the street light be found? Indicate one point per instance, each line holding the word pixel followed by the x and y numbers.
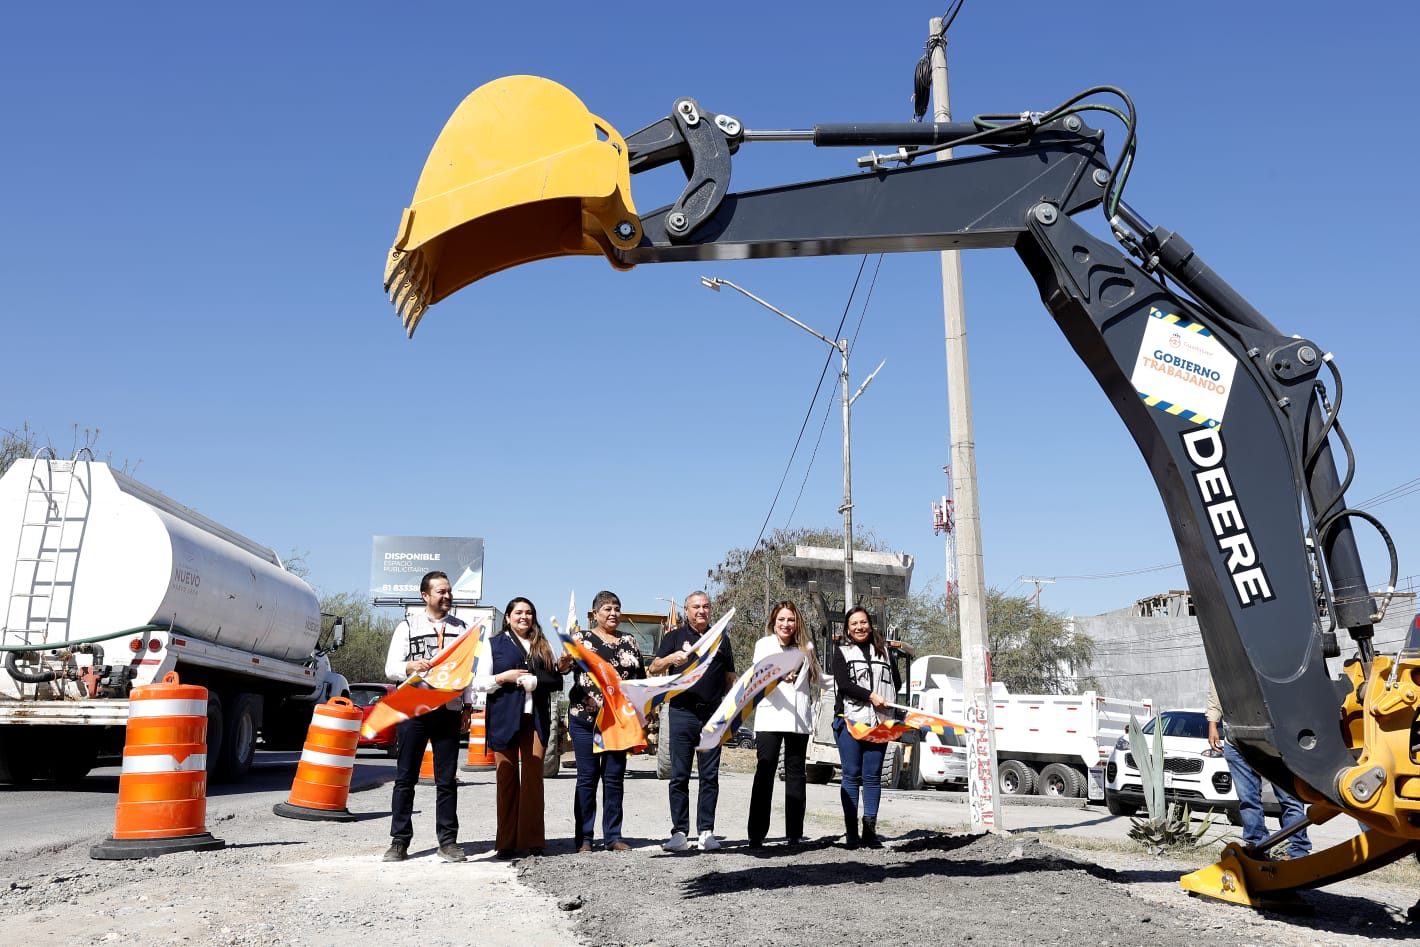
pixel 841 345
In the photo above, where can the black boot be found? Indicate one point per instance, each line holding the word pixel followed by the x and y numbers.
pixel 870 832
pixel 850 837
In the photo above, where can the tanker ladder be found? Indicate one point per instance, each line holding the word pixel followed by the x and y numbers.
pixel 47 555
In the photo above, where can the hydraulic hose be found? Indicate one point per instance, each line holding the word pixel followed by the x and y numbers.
pixel 78 641
pixel 12 664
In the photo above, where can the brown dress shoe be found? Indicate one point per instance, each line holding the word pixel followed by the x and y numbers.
pixel 620 847
pixel 584 847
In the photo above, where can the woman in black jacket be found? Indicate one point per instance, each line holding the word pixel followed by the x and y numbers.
pixel 867 682
pixel 518 718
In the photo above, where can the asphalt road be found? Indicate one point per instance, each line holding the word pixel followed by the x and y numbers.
pixel 39 816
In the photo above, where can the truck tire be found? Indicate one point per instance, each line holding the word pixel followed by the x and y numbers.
pixel 818 773
pixel 892 765
pixel 241 718
pixel 909 774
pixel 214 733
pixel 1014 778
pixel 663 745
pixel 552 753
pixel 1060 781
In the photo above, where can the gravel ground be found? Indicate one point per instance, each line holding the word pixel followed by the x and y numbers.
pixel 281 881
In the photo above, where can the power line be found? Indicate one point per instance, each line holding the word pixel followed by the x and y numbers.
pixel 1394 493
pixel 824 424
pixel 808 413
pixel 1385 496
pixel 1117 575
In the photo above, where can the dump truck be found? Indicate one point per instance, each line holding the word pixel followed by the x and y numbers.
pixel 1046 744
pixel 112 586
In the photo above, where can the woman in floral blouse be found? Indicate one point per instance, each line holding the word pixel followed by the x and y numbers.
pixel 608 767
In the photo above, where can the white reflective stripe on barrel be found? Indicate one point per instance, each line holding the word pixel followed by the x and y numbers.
pixel 163 763
pixel 318 758
pixel 335 723
pixel 167 707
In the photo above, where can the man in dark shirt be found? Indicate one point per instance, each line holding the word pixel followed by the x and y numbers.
pixel 688 713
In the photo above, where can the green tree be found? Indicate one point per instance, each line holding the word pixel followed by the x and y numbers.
pixel 1034 651
pixel 927 620
pixel 747 579
pixel 367 636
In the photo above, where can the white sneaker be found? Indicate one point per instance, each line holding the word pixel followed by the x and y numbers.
pixel 676 843
pixel 708 841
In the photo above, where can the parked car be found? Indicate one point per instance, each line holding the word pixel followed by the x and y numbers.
pixel 1195 775
pixel 942 760
pixel 366 696
pixel 743 738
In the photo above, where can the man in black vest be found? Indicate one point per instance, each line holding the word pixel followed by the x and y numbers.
pixel 689 711
pixel 417 640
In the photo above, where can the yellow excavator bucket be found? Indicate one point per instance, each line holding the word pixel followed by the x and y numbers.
pixel 521 172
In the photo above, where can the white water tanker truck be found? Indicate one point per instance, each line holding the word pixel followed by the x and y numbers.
pixel 111 586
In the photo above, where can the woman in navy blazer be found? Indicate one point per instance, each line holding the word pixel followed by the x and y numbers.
pixel 519 713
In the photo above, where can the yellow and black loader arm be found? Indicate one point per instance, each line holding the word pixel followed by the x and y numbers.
pixel 1231 415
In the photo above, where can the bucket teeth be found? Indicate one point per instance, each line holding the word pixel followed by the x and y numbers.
pixel 411 319
pixel 394 266
pixel 407 282
pixel 401 293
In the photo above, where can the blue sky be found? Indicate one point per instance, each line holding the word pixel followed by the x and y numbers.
pixel 200 199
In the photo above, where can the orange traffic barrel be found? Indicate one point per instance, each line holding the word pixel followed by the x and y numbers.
pixel 327 762
pixel 162 789
pixel 426 768
pixel 478 755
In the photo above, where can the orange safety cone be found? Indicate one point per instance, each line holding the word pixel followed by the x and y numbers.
pixel 162 789
pixel 426 768
pixel 322 781
pixel 478 755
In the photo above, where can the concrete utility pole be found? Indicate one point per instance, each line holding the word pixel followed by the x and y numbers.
pixel 714 282
pixel 971 589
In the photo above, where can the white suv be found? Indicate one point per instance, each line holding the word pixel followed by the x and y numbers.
pixel 943 760
pixel 1194 774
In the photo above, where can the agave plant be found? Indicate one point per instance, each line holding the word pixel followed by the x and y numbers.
pixel 1168 824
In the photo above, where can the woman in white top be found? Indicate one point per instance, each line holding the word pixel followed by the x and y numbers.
pixel 784 718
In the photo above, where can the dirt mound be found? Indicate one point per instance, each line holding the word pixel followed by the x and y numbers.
pixel 926 888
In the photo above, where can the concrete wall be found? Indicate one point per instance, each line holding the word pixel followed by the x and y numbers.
pixel 1161 658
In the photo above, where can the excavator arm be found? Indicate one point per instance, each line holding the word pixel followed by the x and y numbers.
pixel 1234 418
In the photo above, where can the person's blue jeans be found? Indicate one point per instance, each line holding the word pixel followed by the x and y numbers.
pixel 684 738
pixel 862 763
pixel 441 729
pixel 1254 822
pixel 607 768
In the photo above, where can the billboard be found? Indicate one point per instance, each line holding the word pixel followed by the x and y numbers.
pixel 399 562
